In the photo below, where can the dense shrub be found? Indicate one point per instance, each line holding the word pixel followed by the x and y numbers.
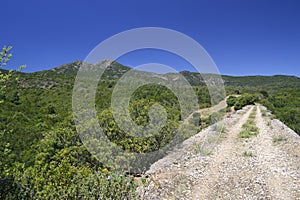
pixel 245 99
pixel 231 101
pixel 285 106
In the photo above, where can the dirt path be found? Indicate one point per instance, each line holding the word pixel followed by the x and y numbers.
pixel 218 164
pixel 281 166
pixel 223 161
pixel 205 112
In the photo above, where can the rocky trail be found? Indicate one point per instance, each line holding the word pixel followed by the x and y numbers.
pixel 205 112
pixel 245 156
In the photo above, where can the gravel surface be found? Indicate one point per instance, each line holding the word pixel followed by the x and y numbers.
pixel 218 164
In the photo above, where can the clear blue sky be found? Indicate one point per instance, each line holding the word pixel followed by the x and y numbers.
pixel 244 37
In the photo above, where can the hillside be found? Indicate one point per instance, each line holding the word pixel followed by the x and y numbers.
pixel 40 144
pixel 36 95
pixel 276 90
pixel 116 70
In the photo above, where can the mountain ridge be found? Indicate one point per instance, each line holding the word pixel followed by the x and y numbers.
pixel 116 70
pixel 75 66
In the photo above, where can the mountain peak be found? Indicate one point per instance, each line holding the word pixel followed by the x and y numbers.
pixel 113 69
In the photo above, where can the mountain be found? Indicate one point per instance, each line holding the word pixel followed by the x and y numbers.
pixel 35 97
pixel 245 81
pixel 54 87
pixel 116 70
pixel 43 154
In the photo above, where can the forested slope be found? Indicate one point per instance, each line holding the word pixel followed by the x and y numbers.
pixel 43 156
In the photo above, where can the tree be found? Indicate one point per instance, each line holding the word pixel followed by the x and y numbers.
pixel 231 101
pixel 8 189
pixel 5 55
pixel 4 77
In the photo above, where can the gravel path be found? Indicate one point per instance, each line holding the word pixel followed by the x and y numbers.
pixel 280 162
pixel 205 112
pixel 218 164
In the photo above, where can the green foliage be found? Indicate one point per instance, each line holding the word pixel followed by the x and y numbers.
pixel 5 55
pixel 48 159
pixel 64 169
pixel 231 101
pixel 42 156
pixel 247 153
pixel 249 129
pixel 264 93
pixel 202 150
pixel 216 116
pixel 279 139
pixel 285 106
pixel 245 99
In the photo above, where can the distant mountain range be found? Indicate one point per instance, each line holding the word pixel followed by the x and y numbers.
pixel 116 70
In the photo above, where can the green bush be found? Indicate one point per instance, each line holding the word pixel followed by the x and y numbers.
pixel 245 99
pixel 284 105
pixel 231 101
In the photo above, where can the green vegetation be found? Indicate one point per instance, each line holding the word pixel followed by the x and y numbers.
pixel 4 76
pixel 249 129
pixel 241 101
pixel 220 128
pixel 203 150
pixel 252 115
pixel 280 94
pixel 231 101
pixel 196 119
pixel 279 139
pixel 247 153
pixel 263 113
pixel 285 105
pixel 216 116
pixel 42 156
